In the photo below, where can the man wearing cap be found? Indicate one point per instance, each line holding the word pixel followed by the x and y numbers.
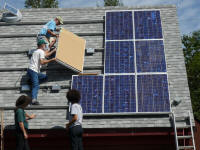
pixel 37 60
pixel 21 122
pixel 48 31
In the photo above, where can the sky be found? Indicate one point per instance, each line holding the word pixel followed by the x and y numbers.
pixel 188 10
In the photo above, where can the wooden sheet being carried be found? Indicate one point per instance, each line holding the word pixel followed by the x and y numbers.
pixel 71 50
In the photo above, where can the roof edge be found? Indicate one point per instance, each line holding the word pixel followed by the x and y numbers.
pixel 100 8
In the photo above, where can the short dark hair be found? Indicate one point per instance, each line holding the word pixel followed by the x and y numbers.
pixel 73 96
pixel 23 101
pixel 39 45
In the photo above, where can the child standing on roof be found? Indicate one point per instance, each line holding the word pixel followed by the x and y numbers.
pixel 48 32
pixel 75 120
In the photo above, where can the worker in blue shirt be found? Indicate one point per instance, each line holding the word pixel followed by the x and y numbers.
pixel 48 32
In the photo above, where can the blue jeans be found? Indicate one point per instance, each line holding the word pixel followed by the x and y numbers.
pixel 36 79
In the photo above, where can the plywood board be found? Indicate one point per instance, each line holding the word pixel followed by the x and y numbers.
pixel 71 50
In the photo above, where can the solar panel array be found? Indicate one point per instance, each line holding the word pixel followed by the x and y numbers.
pixel 135 75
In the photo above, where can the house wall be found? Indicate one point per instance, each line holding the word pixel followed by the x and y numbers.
pixel 97 139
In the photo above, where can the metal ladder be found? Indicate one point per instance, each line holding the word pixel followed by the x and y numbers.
pixel 182 141
pixel 2 129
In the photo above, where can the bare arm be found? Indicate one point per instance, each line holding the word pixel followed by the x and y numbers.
pixel 49 53
pixel 30 116
pixel 21 125
pixel 45 61
pixel 52 33
pixel 75 117
pixel 58 29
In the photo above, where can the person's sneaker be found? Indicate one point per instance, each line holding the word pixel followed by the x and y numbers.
pixel 35 103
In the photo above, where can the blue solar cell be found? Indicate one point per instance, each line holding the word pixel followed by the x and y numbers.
pixel 119 25
pixel 119 94
pixel 91 88
pixel 150 56
pixel 147 25
pixel 119 57
pixel 153 93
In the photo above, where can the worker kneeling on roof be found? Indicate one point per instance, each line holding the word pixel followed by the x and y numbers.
pixel 37 60
pixel 48 34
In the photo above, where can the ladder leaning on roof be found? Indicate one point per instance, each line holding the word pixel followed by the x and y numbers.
pixel 185 144
pixel 2 129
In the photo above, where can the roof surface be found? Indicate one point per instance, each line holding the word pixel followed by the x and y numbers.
pixel 17 39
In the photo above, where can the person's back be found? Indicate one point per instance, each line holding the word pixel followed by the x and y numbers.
pixel 51 25
pixel 20 116
pixel 35 64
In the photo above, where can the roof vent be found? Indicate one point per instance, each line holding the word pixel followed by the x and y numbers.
pixel 175 102
pixel 56 88
pixel 13 15
pixel 90 51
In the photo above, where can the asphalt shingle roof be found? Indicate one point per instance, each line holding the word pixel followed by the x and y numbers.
pixel 17 39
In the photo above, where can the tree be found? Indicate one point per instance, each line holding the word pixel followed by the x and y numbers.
pixel 41 3
pixel 113 3
pixel 191 52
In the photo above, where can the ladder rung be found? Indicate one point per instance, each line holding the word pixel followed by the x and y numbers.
pixel 181 118
pixel 183 127
pixel 185 147
pixel 184 137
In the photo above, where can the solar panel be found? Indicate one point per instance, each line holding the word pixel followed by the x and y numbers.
pixel 119 57
pixel 150 56
pixel 119 25
pixel 91 89
pixel 147 25
pixel 119 95
pixel 153 93
pixel 11 9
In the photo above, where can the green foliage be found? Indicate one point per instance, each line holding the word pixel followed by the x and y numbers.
pixel 191 52
pixel 41 3
pixel 112 3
